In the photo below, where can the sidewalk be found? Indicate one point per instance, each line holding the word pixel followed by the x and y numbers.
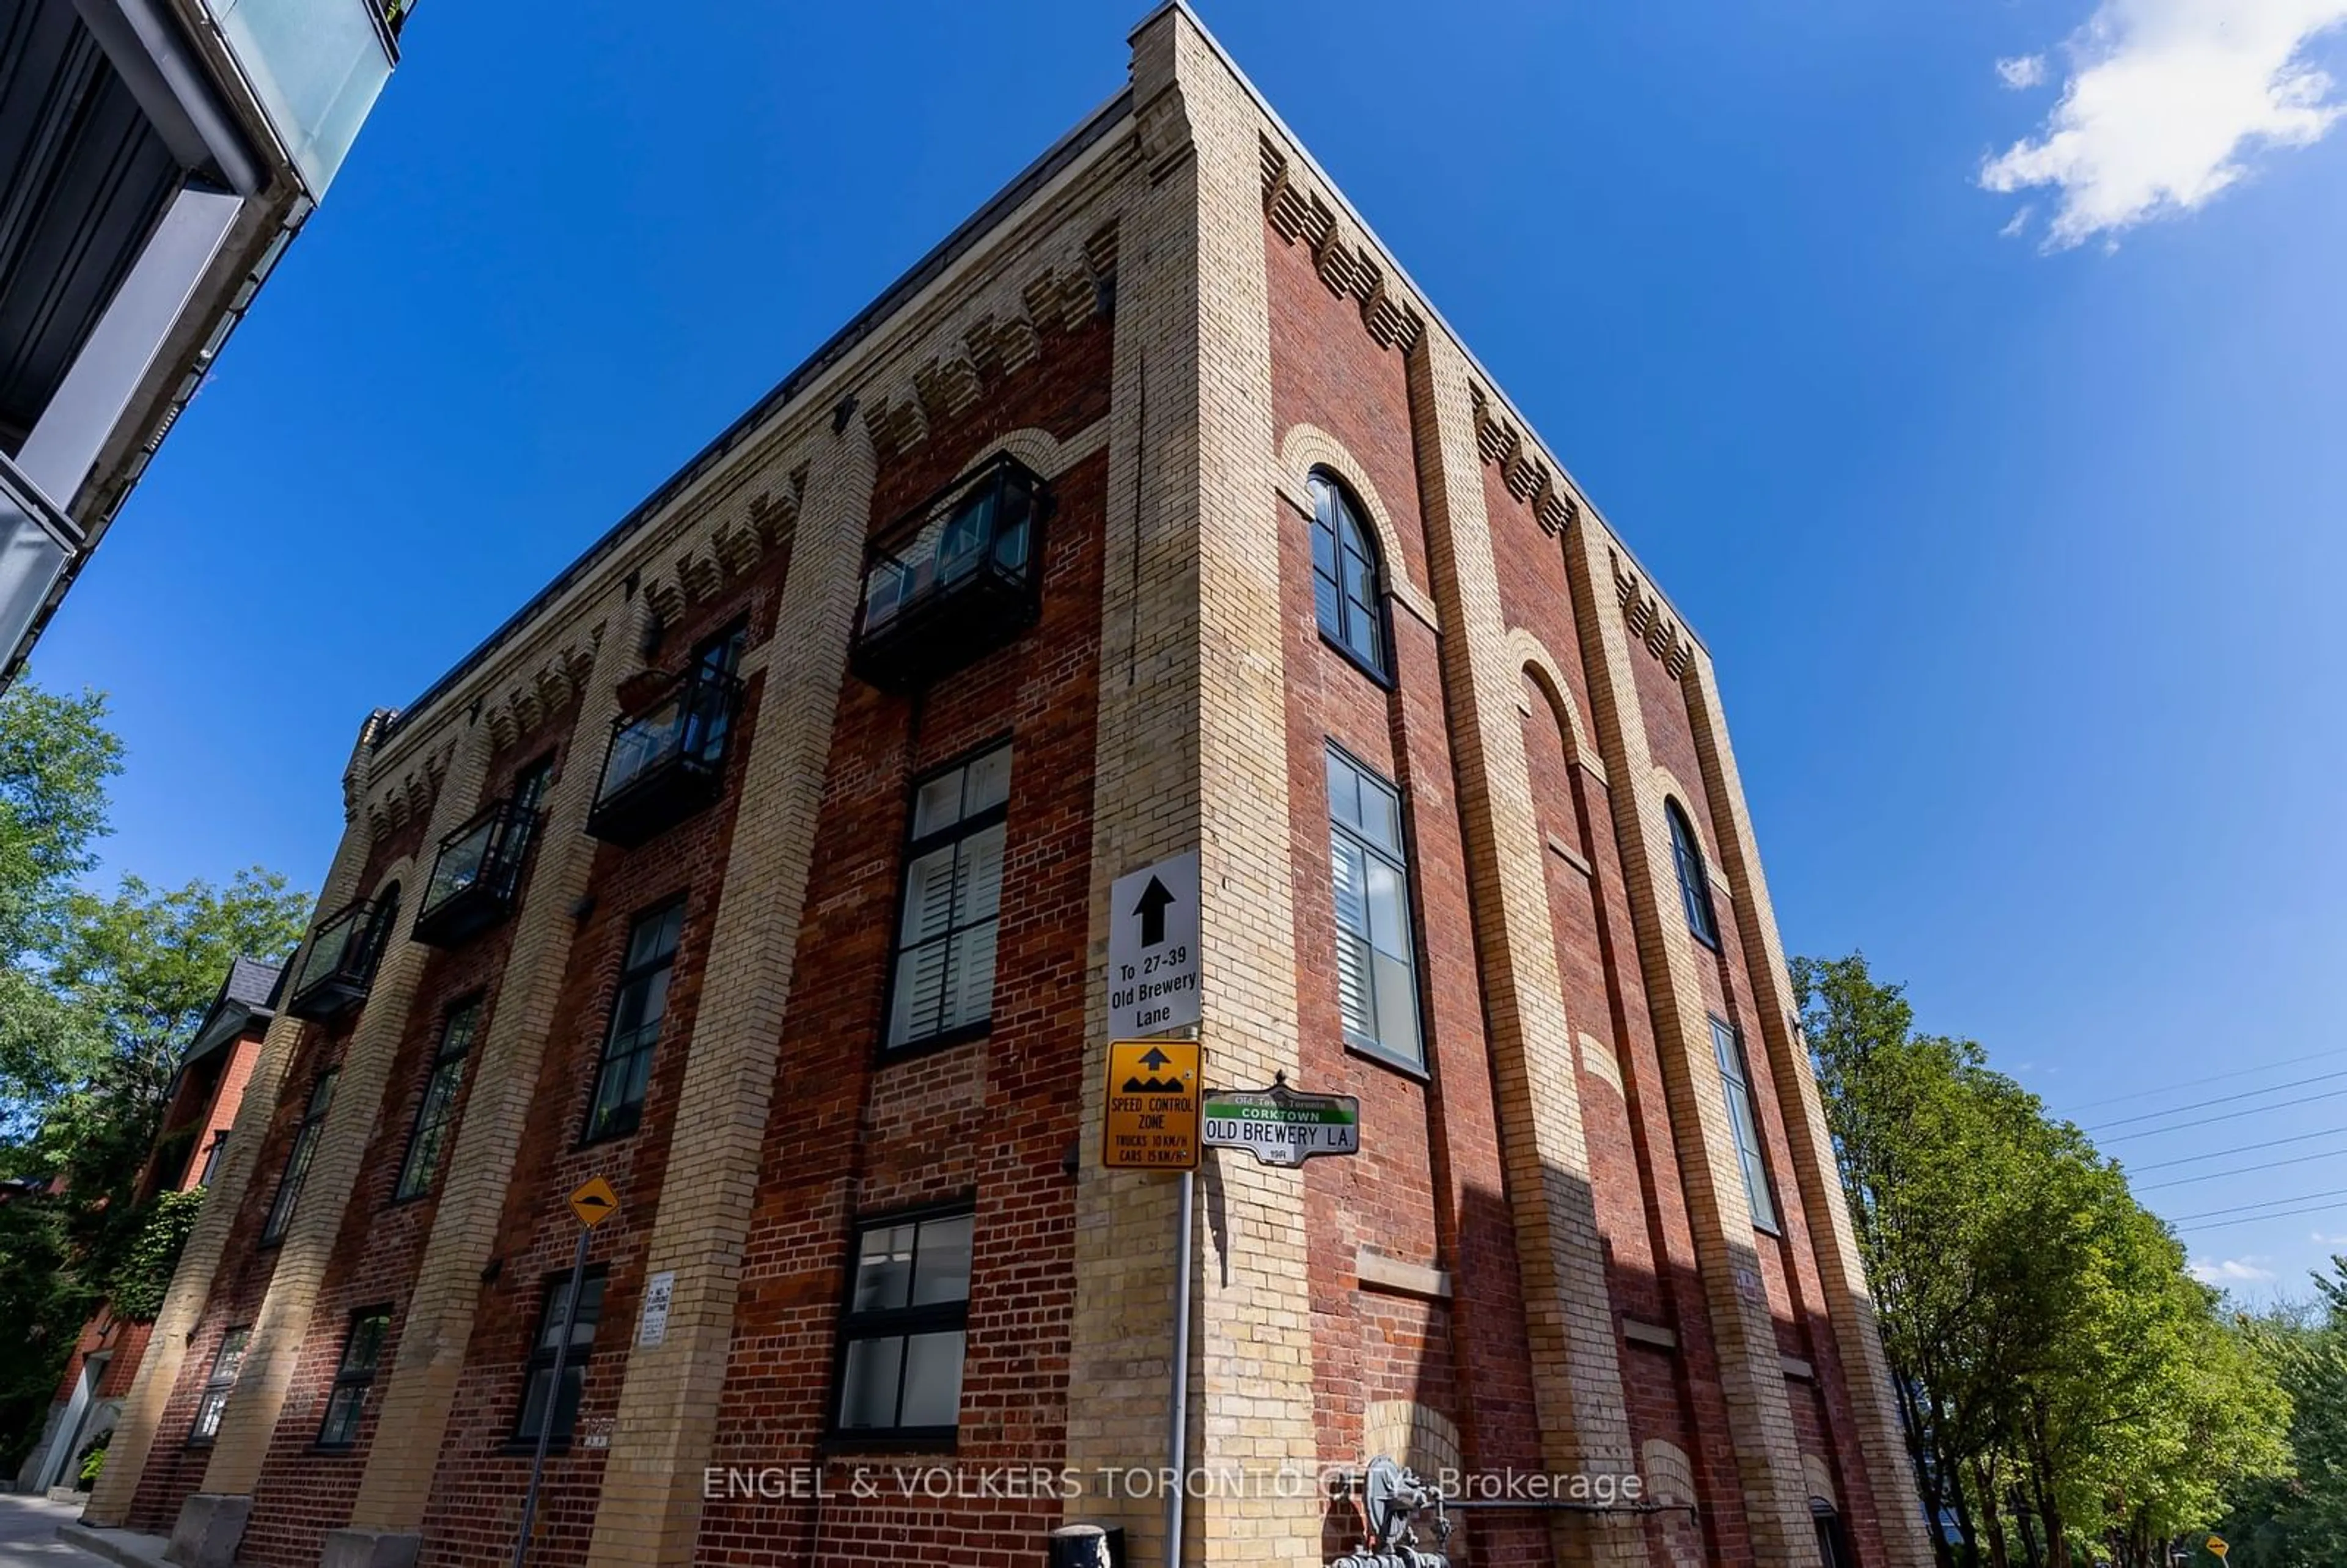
pixel 35 1533
pixel 28 1532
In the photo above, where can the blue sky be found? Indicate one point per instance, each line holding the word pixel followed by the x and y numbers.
pixel 2010 516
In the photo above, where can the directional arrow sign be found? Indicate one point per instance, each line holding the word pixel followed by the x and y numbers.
pixel 1152 949
pixel 1152 910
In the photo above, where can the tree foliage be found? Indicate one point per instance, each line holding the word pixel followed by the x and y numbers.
pixel 99 995
pixel 2299 1520
pixel 2070 1392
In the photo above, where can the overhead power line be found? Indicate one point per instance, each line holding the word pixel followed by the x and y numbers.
pixel 2243 1208
pixel 2220 1100
pixel 2228 1154
pixel 2253 1219
pixel 2196 1121
pixel 2212 1078
pixel 2242 1171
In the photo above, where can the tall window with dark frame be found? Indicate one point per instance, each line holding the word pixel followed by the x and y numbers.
pixel 1377 968
pixel 942 980
pixel 1345 590
pixel 436 1114
pixel 1694 882
pixel 380 927
pixel 211 1158
pixel 227 1361
pixel 362 1350
pixel 714 656
pixel 530 798
pixel 625 1072
pixel 539 1390
pixel 1736 1077
pixel 902 1336
pixel 297 1163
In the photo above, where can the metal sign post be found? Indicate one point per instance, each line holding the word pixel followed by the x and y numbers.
pixel 593 1204
pixel 1177 1422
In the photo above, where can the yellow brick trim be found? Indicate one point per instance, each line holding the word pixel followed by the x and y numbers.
pixel 1833 1241
pixel 282 1323
pixel 1752 1384
pixel 649 1509
pixel 1532 657
pixel 420 1385
pixel 192 1280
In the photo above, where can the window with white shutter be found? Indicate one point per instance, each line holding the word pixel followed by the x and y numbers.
pixel 1377 965
pixel 941 984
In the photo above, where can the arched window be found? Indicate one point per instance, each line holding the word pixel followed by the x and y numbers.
pixel 1345 591
pixel 1695 886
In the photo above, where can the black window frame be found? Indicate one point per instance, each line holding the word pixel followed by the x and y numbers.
pixel 532 781
pixel 306 1133
pixel 1330 495
pixel 435 1110
pixel 1400 859
pixel 211 1157
pixel 898 1323
pixel 1736 1085
pixel 593 1291
pixel 212 1403
pixel 628 1114
pixel 354 1380
pixel 966 825
pixel 1694 876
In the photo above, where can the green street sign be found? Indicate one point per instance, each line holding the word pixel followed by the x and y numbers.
pixel 1280 1126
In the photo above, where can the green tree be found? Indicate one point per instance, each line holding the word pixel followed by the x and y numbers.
pixel 2069 1391
pixel 56 756
pixel 98 994
pixel 2299 1520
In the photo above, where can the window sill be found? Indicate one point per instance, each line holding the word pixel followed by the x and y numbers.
pixel 945 1039
pixel 944 1444
pixel 526 1448
pixel 1391 1061
pixel 1384 681
pixel 592 1139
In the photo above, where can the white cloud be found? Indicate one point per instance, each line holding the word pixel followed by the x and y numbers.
pixel 2163 101
pixel 2021 71
pixel 2233 1271
pixel 2017 222
pixel 2319 1239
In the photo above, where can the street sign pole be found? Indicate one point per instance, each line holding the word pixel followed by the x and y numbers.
pixel 553 1398
pixel 593 1203
pixel 1177 1421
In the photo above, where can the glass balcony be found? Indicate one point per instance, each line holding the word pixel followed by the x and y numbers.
pixel 952 580
pixel 476 877
pixel 667 759
pixel 340 966
pixel 316 66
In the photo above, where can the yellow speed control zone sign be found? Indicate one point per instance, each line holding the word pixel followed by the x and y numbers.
pixel 1153 1105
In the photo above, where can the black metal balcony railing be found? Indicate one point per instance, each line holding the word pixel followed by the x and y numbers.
pixel 667 760
pixel 476 875
pixel 955 579
pixel 340 964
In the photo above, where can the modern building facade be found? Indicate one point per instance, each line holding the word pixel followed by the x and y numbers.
pixel 205 1095
pixel 155 156
pixel 761 866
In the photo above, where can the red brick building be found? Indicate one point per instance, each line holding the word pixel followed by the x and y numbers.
pixel 761 866
pixel 204 1099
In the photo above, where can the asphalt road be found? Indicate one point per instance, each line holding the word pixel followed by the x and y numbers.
pixel 29 1533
